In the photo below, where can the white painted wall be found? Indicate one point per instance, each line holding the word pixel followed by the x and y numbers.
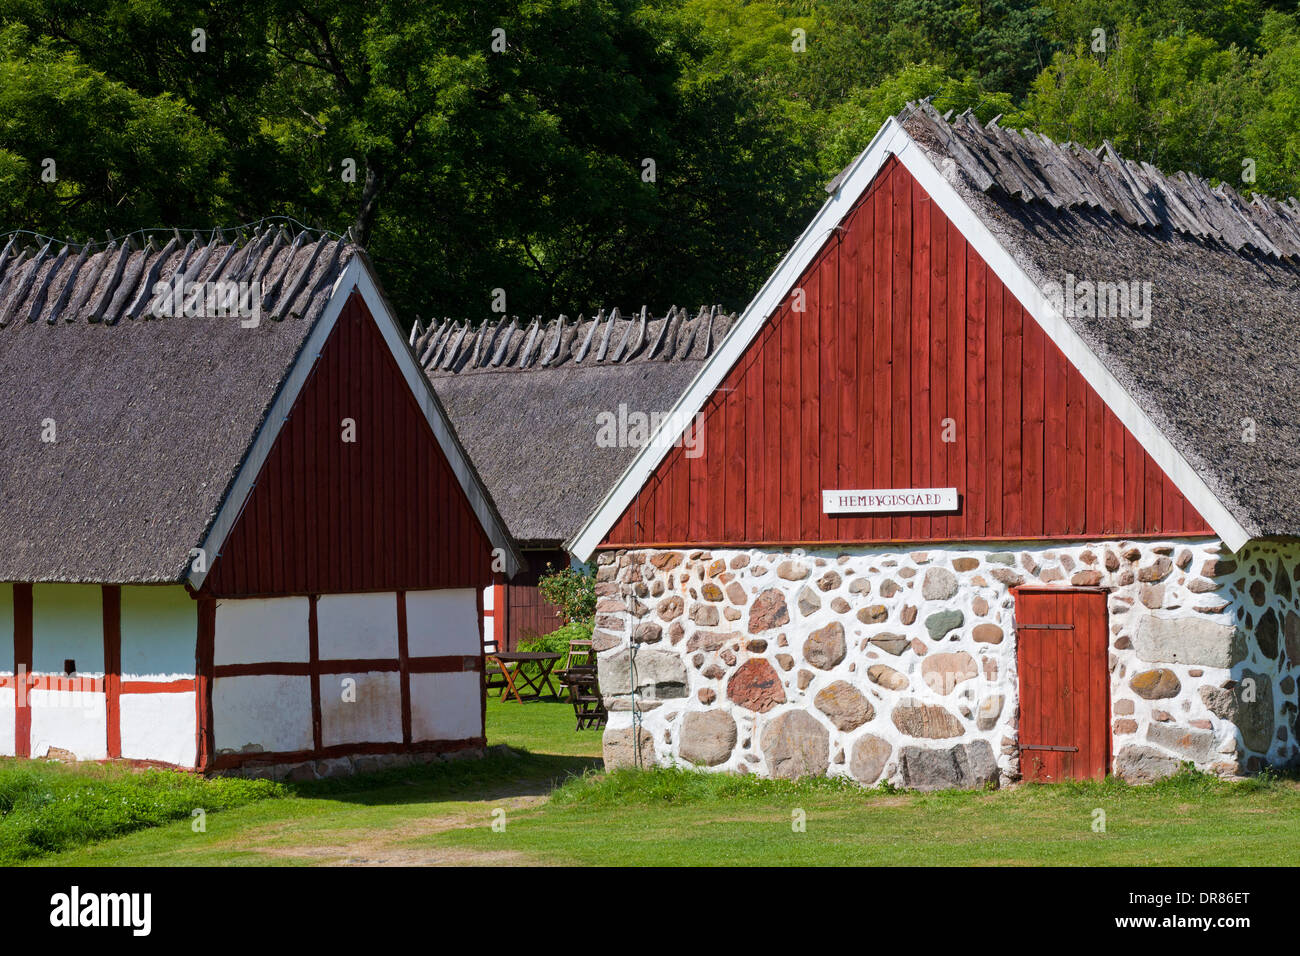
pixel 445 706
pixel 489 613
pixel 76 721
pixel 6 629
pixel 371 712
pixel 355 626
pixel 7 695
pixel 159 634
pixel 267 713
pixel 67 623
pixel 256 631
pixel 442 622
pixel 8 715
pixel 158 727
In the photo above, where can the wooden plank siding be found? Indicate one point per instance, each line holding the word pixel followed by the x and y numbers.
pixel 382 513
pixel 906 334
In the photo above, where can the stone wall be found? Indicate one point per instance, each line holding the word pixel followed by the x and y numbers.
pixel 901 665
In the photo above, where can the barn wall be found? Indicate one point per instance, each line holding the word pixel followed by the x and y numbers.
pixel 262 631
pixel 158 634
pixel 444 706
pixel 159 726
pixel 357 625
pixel 322 685
pixel 132 693
pixel 908 338
pixel 7 697
pixel 68 712
pixel 883 664
pixel 158 628
pixel 67 623
pixel 384 512
pixel 442 622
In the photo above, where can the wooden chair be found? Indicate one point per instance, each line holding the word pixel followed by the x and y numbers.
pixel 584 693
pixel 578 655
pixel 493 669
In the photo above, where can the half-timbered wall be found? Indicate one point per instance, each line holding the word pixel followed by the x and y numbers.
pixel 910 366
pixel 300 678
pixel 98 671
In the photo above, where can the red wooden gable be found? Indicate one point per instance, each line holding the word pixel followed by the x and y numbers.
pixel 383 513
pixel 906 330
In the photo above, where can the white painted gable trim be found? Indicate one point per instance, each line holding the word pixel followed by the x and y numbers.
pixel 356 275
pixel 893 140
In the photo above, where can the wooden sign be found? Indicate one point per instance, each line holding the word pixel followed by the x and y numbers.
pixel 889 500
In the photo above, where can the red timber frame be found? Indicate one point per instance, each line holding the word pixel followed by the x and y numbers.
pixel 315 668
pixel 111 685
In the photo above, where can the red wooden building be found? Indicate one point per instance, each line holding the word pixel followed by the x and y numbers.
pixel 974 502
pixel 215 559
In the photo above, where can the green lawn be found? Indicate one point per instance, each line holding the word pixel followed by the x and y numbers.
pixel 558 808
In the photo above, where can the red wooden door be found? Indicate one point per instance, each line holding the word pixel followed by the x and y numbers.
pixel 1064 684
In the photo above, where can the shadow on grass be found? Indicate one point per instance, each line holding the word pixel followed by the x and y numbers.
pixel 505 772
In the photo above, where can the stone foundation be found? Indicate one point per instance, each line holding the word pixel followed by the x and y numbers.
pixel 900 666
pixel 326 767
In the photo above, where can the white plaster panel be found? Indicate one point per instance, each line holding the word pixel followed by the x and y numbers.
pixel 263 712
pixel 75 721
pixel 159 633
pixel 67 623
pixel 158 727
pixel 6 628
pixel 7 717
pixel 442 622
pixel 369 711
pixel 355 626
pixel 256 630
pixel 446 706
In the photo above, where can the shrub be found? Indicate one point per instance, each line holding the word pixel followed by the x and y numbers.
pixel 573 592
pixel 556 642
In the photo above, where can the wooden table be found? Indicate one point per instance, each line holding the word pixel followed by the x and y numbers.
pixel 546 661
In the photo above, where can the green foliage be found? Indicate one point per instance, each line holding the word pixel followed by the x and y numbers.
pixel 557 642
pixel 523 168
pixel 674 786
pixel 571 590
pixel 46 807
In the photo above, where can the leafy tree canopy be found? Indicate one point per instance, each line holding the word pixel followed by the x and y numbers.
pixel 583 152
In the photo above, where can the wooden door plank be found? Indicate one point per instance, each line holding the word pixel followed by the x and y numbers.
pixel 900 319
pixel 881 312
pixel 922 430
pixel 976 398
pixel 1013 501
pixel 1032 426
pixel 939 398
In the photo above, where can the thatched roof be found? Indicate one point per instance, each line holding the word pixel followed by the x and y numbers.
pixel 525 398
pixel 152 415
pixel 1221 350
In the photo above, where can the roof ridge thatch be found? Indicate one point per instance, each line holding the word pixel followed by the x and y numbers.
pixel 106 284
pixel 609 339
pixel 1030 167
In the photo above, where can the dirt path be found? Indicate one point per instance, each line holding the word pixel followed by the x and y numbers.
pixel 315 842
